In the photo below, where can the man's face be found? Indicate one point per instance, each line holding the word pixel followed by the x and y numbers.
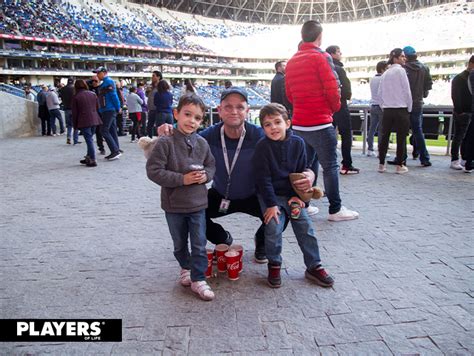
pixel 400 60
pixel 338 55
pixel 95 81
pixel 101 75
pixel 233 110
pixel 154 79
pixel 283 67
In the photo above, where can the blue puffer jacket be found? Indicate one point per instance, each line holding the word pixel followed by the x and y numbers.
pixel 108 98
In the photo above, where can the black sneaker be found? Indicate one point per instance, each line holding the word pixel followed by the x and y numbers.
pixel 113 156
pixel 274 278
pixel 91 163
pixel 415 156
pixel 229 240
pixel 102 152
pixel 260 256
pixel 120 150
pixel 426 164
pixel 349 170
pixel 320 276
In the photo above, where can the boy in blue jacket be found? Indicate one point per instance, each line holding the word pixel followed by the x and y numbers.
pixel 276 156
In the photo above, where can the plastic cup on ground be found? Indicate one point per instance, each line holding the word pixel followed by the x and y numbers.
pixel 210 257
pixel 240 250
pixel 232 261
pixel 221 249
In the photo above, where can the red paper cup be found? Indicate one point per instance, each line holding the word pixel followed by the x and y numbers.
pixel 210 257
pixel 221 249
pixel 240 250
pixel 232 260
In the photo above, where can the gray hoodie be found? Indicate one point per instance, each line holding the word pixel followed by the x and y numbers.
pixel 170 159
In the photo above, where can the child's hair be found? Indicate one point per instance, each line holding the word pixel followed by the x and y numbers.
pixel 191 99
pixel 273 109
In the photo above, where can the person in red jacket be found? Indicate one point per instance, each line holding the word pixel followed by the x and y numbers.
pixel 85 117
pixel 312 86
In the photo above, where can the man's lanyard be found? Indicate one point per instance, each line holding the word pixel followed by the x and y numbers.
pixel 226 157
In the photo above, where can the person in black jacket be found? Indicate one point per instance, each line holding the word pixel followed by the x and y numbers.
pixel 66 93
pixel 462 113
pixel 420 84
pixel 342 118
pixel 277 93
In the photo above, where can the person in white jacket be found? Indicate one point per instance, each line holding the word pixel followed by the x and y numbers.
pixel 134 104
pixel 396 103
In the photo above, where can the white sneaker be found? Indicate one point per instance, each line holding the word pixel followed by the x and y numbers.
pixel 343 215
pixel 312 210
pixel 456 165
pixel 382 168
pixel 203 290
pixel 402 169
pixel 463 162
pixel 185 277
pixel 370 153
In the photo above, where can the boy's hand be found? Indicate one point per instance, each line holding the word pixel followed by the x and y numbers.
pixel 194 177
pixel 165 130
pixel 271 213
pixel 204 177
pixel 296 200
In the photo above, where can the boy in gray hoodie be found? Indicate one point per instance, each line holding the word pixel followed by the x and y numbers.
pixel 182 164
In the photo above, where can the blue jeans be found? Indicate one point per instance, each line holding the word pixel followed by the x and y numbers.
pixel 376 114
pixel 88 133
pixel 303 229
pixel 324 143
pixel 53 115
pixel 193 224
pixel 342 120
pixel 109 130
pixel 313 161
pixel 163 117
pixel 68 116
pixel 416 122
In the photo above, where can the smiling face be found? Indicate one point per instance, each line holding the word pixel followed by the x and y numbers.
pixel 233 110
pixel 189 118
pixel 275 127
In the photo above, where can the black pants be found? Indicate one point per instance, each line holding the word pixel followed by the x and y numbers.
pixel 342 120
pixel 136 125
pixel 150 126
pixel 461 123
pixel 120 124
pixel 468 144
pixel 397 119
pixel 215 232
pixel 143 123
pixel 43 114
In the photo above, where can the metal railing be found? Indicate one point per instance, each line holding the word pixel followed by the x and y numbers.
pixel 12 90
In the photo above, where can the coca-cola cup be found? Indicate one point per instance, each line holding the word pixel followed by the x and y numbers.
pixel 210 257
pixel 221 249
pixel 240 250
pixel 232 261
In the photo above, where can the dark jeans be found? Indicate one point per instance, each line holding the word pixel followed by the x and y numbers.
pixel 324 143
pixel 88 133
pixel 215 233
pixel 99 138
pixel 120 124
pixel 419 146
pixel 461 123
pixel 53 115
pixel 43 114
pixel 342 120
pixel 397 119
pixel 109 130
pixel 313 162
pixel 376 114
pixel 150 125
pixel 70 129
pixel 163 118
pixel 468 143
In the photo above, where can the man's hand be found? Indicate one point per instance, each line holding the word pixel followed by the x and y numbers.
pixel 305 184
pixel 271 213
pixel 165 130
pixel 194 177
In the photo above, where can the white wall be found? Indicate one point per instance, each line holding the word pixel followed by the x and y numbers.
pixel 18 116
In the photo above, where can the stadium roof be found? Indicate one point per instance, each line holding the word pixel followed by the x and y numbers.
pixel 293 11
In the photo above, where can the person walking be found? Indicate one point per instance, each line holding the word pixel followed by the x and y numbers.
pixel 85 117
pixel 342 118
pixel 66 93
pixel 143 122
pixel 396 102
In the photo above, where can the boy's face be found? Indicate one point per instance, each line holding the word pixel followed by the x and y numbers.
pixel 275 127
pixel 189 118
